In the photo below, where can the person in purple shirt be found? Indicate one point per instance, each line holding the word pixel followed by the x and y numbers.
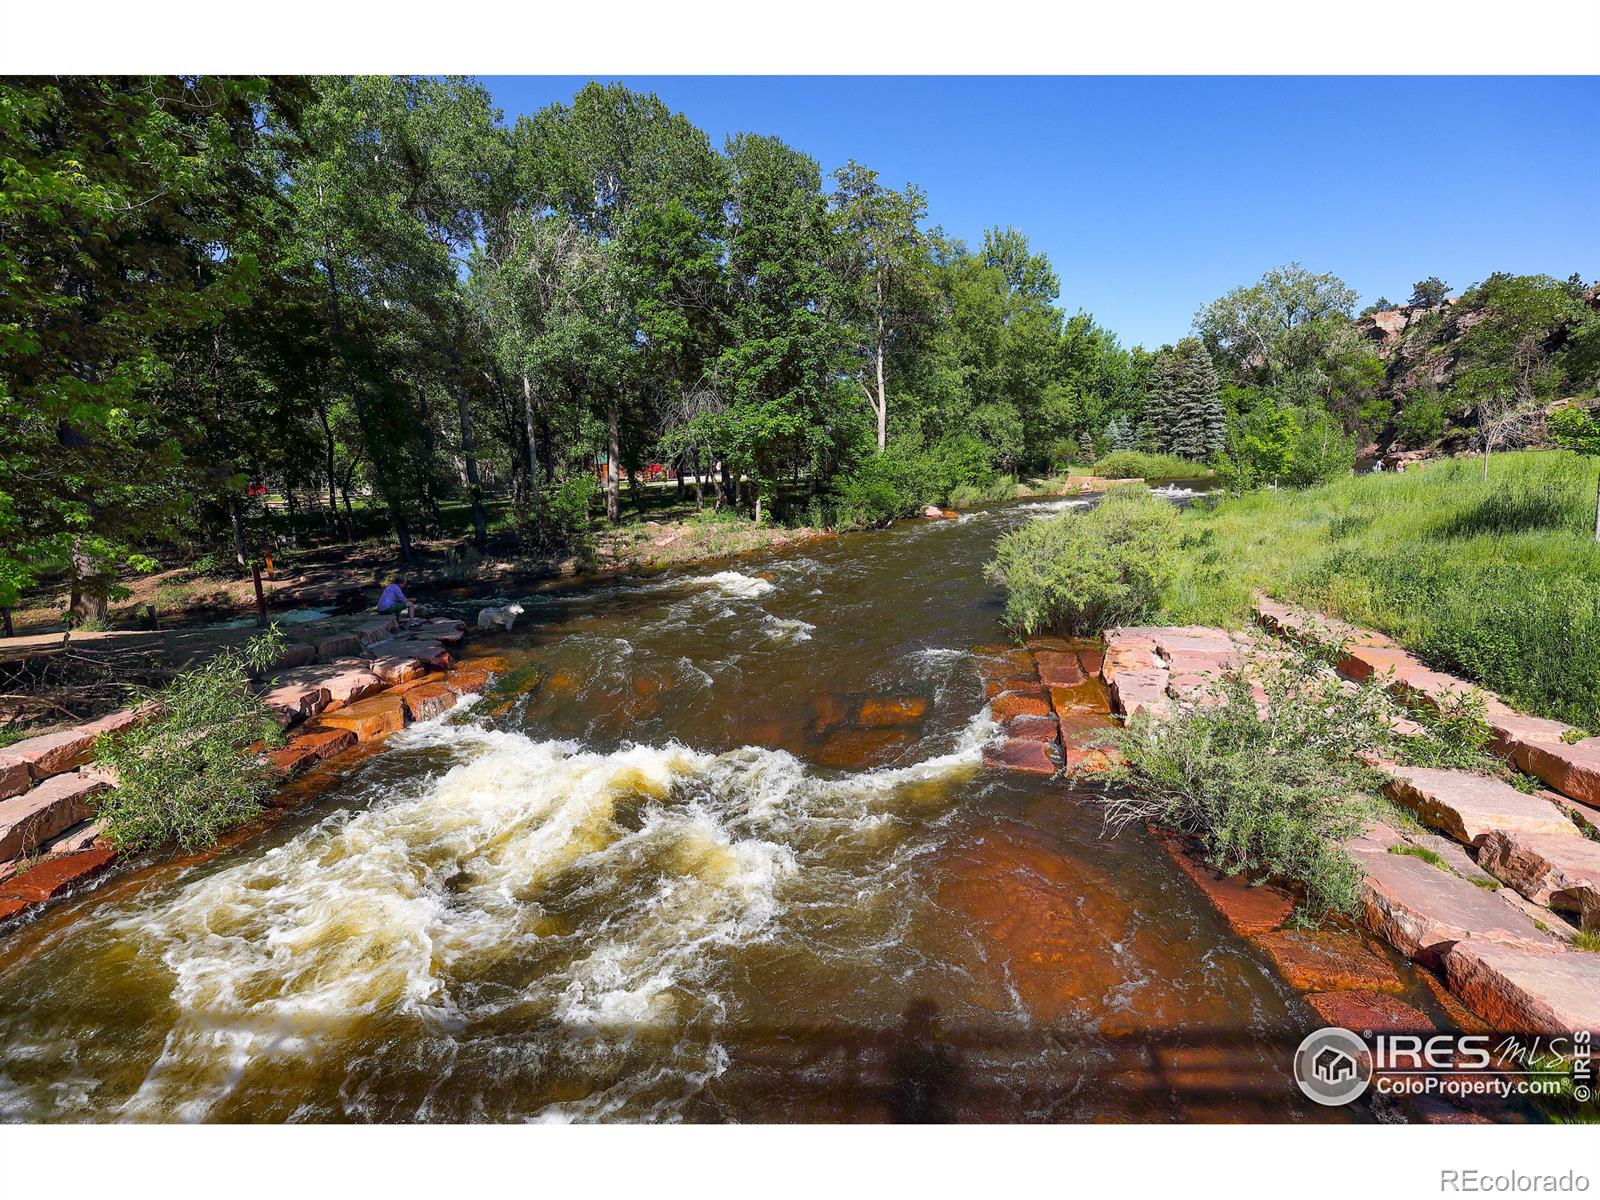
pixel 393 599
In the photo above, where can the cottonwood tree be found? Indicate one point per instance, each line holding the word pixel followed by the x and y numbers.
pixel 1277 327
pixel 886 260
pixel 113 188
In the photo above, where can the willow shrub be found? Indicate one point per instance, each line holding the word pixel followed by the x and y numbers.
pixel 1080 573
pixel 1270 796
pixel 190 774
pixel 1140 464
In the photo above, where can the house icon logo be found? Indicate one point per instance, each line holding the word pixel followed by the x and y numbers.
pixel 1333 1066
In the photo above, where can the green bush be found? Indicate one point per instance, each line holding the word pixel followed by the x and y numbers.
pixel 906 477
pixel 1140 464
pixel 186 776
pixel 1321 451
pixel 1082 572
pixel 1270 796
pixel 559 520
pixel 1420 420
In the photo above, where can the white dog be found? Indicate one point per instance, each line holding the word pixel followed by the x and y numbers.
pixel 505 617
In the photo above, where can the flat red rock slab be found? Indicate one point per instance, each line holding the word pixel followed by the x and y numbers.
pixel 15 778
pixel 1422 911
pixel 891 710
pixel 1014 704
pixel 463 682
pixel 1140 690
pixel 1367 1011
pixel 371 718
pixel 1051 642
pixel 1090 696
pixel 56 875
pixel 310 748
pixel 1022 685
pixel 1554 992
pixel 428 701
pixel 1031 728
pixel 11 907
pixel 1549 869
pixel 859 749
pixel 827 712
pixel 1059 668
pixel 1572 770
pixel 1325 960
pixel 495 664
pixel 1018 754
pixel 1092 659
pixel 340 645
pixel 1248 910
pixel 1468 806
pixel 54 806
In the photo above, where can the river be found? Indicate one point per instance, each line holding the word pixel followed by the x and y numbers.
pixel 674 879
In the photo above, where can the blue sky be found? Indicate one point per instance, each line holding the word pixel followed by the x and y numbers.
pixel 1152 196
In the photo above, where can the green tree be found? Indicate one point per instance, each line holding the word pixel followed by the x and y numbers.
pixel 1278 328
pixel 1429 293
pixel 110 190
pixel 1199 426
pixel 886 261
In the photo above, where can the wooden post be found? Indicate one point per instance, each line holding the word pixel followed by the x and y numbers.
pixel 155 622
pixel 261 599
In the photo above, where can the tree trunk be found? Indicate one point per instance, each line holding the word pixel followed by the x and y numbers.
pixel 5 622
pixel 614 454
pixel 883 397
pixel 480 523
pixel 402 532
pixel 699 467
pixel 533 445
pixel 239 551
pixel 725 491
pixel 682 490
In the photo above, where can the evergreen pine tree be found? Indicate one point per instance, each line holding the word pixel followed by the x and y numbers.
pixel 1160 406
pixel 1199 427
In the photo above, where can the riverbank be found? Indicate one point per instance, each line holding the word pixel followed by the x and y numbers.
pixel 1497 580
pixel 341 686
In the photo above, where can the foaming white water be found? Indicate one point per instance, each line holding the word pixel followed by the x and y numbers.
pixel 603 884
pixel 1052 507
pixel 787 629
pixel 733 583
pixel 1174 491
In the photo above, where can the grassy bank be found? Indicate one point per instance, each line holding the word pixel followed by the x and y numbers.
pixel 1497 579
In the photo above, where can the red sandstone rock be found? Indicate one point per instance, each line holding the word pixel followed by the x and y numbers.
pixel 33 818
pixel 398 668
pixel 1136 691
pixel 1361 1011
pixel 1530 991
pixel 1051 642
pixel 827 712
pixel 858 749
pixel 345 681
pixel 340 645
pixel 1022 685
pixel 1031 728
pixel 377 630
pixel 1087 697
pixel 56 875
pixel 295 701
pixel 1058 669
pixel 82 836
pixel 1091 659
pixel 1422 911
pixel 428 701
pixel 465 682
pixel 374 717
pixel 1017 754
pixel 11 907
pixel 1362 663
pixel 1083 742
pixel 15 778
pixel 1468 806
pixel 1328 960
pixel 891 710
pixel 1011 704
pixel 1554 870
pixel 494 664
pixel 434 653
pixel 1573 770
pixel 1248 910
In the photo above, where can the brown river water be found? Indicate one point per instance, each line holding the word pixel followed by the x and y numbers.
pixel 675 880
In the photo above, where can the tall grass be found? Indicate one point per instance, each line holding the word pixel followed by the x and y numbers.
pixel 1138 464
pixel 1497 580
